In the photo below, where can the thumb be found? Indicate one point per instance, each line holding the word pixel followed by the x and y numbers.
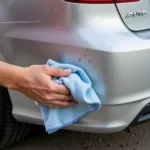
pixel 57 72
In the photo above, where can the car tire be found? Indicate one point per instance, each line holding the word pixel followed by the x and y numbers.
pixel 11 130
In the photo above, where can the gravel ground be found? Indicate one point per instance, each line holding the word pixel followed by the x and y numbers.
pixel 138 138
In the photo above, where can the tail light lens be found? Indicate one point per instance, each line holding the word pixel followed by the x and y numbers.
pixel 101 1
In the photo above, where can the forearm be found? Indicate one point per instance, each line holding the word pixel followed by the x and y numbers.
pixel 9 75
pixel 36 82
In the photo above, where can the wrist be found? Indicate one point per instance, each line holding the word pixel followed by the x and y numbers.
pixel 18 74
pixel 14 77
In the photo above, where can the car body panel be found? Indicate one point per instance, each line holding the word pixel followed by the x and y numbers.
pixel 92 37
pixel 17 11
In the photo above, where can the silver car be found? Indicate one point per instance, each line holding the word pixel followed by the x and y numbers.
pixel 109 40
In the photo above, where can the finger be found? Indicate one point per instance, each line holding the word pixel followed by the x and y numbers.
pixel 60 104
pixel 57 72
pixel 48 104
pixel 60 89
pixel 60 97
pixel 53 106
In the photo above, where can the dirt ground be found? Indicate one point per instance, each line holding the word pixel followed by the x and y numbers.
pixel 138 138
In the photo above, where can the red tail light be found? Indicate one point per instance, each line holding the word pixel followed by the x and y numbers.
pixel 101 1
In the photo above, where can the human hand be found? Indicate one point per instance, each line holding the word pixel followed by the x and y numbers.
pixel 36 83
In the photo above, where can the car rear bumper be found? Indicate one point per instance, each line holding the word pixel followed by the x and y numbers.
pixel 121 79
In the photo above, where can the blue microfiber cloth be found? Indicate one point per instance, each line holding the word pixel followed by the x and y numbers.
pixel 81 89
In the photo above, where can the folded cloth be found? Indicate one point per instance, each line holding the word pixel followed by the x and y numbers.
pixel 81 89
